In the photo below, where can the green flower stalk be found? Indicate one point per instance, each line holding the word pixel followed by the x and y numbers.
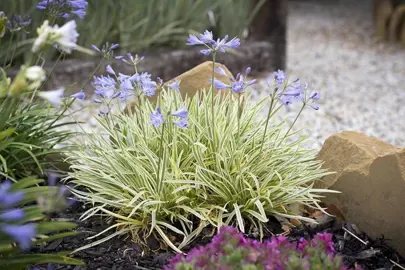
pixel 4 83
pixel 3 20
pixel 212 47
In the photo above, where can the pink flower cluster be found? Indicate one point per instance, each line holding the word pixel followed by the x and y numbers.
pixel 230 250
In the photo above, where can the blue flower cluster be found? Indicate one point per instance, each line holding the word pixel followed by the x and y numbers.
pixel 123 86
pixel 18 22
pixel 237 85
pixel 107 50
pixel 213 46
pixel 117 85
pixel 64 8
pixel 157 118
pixel 294 92
pixel 9 215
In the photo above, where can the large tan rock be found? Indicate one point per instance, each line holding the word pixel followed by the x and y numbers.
pixel 195 80
pixel 200 77
pixel 371 176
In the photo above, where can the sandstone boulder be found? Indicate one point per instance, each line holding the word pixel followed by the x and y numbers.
pixel 199 78
pixel 196 79
pixel 371 176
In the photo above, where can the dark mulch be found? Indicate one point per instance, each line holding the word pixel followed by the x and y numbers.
pixel 120 253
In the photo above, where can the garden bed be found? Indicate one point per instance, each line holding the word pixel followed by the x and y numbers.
pixel 122 253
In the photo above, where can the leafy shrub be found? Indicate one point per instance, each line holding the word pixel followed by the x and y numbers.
pixel 30 129
pixel 29 133
pixel 230 250
pixel 23 223
pixel 173 168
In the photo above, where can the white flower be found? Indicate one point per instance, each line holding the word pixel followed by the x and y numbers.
pixel 66 36
pixel 43 36
pixel 35 73
pixel 53 97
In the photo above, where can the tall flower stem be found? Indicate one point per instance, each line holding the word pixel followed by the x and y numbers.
pixel 8 48
pixel 239 115
pixel 158 179
pixel 213 98
pixel 92 74
pixel 47 78
pixel 267 122
pixel 71 101
pixel 293 123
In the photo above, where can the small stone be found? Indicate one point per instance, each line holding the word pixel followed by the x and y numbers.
pixel 286 228
pixel 295 222
pixel 371 176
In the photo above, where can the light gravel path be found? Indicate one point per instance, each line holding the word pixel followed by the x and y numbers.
pixel 331 45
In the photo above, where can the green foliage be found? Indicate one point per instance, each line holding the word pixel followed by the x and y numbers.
pixel 11 255
pixel 29 132
pixel 177 181
pixel 139 24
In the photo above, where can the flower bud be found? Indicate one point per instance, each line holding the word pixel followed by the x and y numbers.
pixel 3 20
pixel 4 83
pixel 27 80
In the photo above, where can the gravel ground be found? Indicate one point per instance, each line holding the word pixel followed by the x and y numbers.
pixel 331 45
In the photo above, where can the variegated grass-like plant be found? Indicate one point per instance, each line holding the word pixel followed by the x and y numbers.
pixel 171 181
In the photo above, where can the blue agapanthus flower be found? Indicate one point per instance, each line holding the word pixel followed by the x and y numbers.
pixel 105 86
pixel 182 123
pixel 181 113
pixel 295 92
pixel 9 198
pixel 147 85
pixel 11 215
pixel 64 8
pixel 131 60
pixel 279 76
pixel 18 22
pixel 314 97
pixel 22 234
pixel 175 85
pixel 79 95
pixel 107 50
pixel 292 92
pixel 156 118
pixel 212 46
pixel 237 85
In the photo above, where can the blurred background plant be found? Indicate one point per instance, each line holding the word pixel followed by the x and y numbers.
pixel 138 25
pixel 25 207
pixel 31 143
pixel 29 134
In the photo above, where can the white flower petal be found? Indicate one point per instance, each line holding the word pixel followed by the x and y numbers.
pixel 43 36
pixel 53 97
pixel 35 73
pixel 66 36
